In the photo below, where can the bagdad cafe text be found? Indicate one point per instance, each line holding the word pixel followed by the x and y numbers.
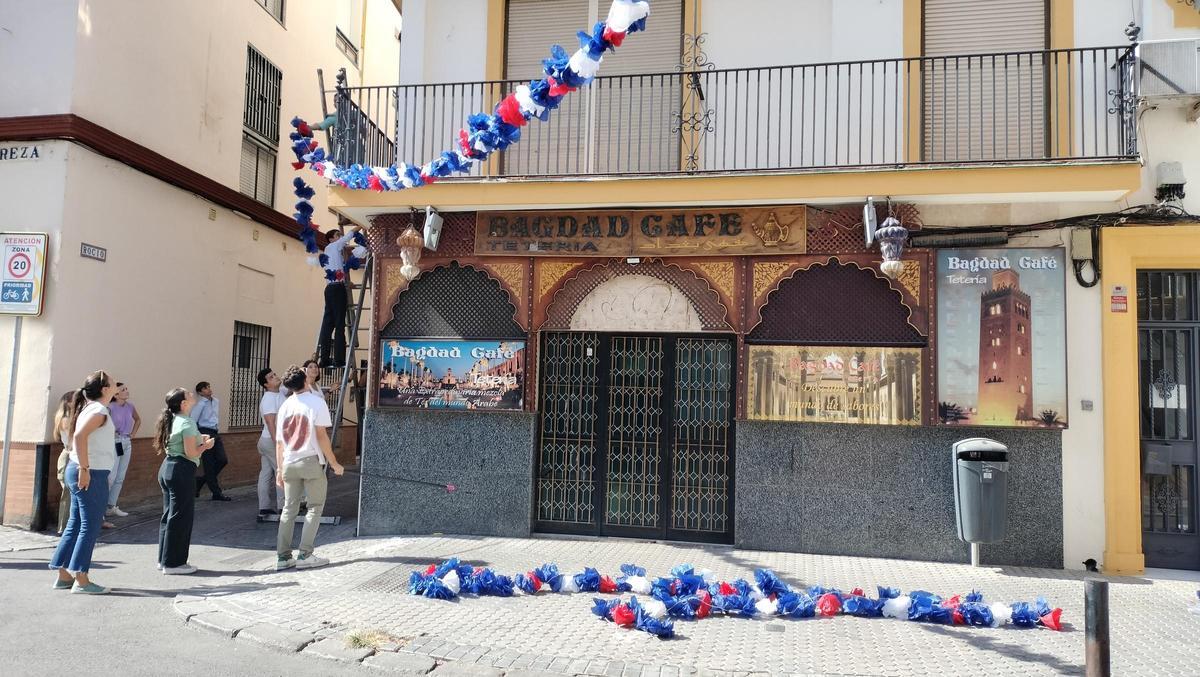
pixel 653 232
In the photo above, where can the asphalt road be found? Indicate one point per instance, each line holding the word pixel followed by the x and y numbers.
pixel 134 630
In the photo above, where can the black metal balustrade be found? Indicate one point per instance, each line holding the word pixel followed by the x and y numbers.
pixel 1043 106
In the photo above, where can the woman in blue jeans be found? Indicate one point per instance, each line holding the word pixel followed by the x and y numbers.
pixel 93 456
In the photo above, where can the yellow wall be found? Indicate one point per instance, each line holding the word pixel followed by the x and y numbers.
pixel 1123 252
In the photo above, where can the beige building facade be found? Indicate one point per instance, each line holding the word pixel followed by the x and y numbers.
pixel 161 138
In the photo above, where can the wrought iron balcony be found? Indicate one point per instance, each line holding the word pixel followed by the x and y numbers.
pixel 1015 107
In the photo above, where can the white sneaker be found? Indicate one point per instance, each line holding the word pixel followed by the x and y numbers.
pixel 310 561
pixel 116 511
pixel 159 566
pixel 179 571
pixel 282 563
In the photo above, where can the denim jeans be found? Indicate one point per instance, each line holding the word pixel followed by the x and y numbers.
pixel 116 479
pixel 74 551
pixel 266 475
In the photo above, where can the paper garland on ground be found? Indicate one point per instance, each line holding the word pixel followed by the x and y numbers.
pixel 693 595
pixel 483 134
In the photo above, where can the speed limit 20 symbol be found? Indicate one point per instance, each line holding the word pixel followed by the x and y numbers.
pixel 18 265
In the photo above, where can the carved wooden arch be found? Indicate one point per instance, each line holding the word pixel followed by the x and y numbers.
pixel 696 289
pixel 895 291
pixel 512 305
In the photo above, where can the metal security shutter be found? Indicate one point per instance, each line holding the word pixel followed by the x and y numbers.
pixel 613 125
pixel 984 107
pixel 634 115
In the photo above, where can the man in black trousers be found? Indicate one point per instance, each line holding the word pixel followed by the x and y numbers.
pixel 206 414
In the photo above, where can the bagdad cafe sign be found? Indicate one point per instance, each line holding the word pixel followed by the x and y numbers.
pixel 651 232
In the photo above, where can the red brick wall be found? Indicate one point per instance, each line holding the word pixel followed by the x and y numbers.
pixel 141 481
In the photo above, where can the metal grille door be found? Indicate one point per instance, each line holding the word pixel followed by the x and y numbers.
pixel 635 432
pixel 1168 346
pixel 566 476
pixel 636 436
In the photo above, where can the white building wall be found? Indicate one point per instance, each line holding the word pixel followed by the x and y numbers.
pixel 40 85
pixel 159 312
pixel 445 41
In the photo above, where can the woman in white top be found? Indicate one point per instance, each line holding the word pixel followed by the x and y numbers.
pixel 93 455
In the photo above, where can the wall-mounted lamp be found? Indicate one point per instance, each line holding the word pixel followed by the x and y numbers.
pixel 410 242
pixel 432 229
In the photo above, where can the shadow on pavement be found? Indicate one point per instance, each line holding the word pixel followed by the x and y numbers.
pixel 989 643
pixel 1069 575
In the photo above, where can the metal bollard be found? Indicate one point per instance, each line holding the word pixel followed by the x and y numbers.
pixel 1095 603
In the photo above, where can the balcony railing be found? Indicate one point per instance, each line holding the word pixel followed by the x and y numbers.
pixel 1015 107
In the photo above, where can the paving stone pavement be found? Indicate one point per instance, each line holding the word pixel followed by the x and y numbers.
pixel 365 588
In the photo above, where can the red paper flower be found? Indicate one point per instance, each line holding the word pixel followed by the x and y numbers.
pixel 297 165
pixel 537 582
pixel 510 111
pixel 623 615
pixel 305 130
pixel 1053 620
pixel 607 584
pixel 432 568
pixel 705 607
pixel 957 617
pixel 727 589
pixel 428 179
pixel 857 592
pixel 613 36
pixel 374 183
pixel 312 145
pixel 829 604
pixel 557 89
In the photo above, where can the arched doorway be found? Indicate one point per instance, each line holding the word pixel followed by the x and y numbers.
pixel 636 406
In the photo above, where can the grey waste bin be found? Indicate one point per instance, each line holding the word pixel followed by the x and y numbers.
pixel 981 489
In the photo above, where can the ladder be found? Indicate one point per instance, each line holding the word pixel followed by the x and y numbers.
pixel 348 376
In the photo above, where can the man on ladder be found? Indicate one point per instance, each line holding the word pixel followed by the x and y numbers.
pixel 333 322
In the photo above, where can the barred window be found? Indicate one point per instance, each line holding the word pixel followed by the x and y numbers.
pixel 263 91
pixel 257 175
pixel 273 7
pixel 251 352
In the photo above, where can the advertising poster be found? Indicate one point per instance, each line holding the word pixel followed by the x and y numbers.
pixel 834 385
pixel 452 374
pixel 1002 337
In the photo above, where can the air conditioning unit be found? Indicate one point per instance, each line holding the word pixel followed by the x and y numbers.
pixel 1169 68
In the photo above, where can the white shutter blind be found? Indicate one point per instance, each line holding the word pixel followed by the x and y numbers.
pixel 612 125
pixel 248 168
pixel 984 107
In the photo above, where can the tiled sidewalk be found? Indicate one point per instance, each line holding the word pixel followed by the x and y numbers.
pixel 366 588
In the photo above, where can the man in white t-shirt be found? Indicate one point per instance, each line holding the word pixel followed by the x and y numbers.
pixel 272 398
pixel 302 449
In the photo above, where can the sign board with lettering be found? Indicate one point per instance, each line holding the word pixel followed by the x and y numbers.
pixel 834 384
pixel 452 374
pixel 651 232
pixel 91 251
pixel 1002 337
pixel 23 277
pixel 21 151
pixel 1119 300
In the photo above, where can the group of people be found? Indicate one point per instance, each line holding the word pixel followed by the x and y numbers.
pixel 96 424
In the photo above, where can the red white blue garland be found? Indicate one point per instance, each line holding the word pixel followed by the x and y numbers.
pixel 692 595
pixel 483 134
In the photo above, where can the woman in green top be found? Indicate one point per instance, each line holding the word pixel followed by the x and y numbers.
pixel 178 436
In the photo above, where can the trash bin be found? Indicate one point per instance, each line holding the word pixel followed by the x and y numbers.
pixel 980 489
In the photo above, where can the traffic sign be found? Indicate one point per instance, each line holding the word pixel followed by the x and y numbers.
pixel 23 274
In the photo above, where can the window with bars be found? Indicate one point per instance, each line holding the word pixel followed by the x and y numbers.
pixel 260 125
pixel 273 7
pixel 251 352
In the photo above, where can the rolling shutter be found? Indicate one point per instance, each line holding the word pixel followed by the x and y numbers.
pixel 613 125
pixel 984 107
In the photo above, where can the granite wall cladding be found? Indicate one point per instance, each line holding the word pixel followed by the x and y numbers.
pixel 487 456
pixel 887 491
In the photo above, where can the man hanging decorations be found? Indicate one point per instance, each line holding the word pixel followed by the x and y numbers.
pixel 331 344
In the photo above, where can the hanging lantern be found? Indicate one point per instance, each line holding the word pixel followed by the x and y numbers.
pixel 410 242
pixel 891 236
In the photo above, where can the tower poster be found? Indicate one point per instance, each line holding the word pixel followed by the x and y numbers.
pixel 1002 337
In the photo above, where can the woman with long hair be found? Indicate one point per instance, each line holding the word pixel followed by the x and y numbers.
pixel 62 430
pixel 93 455
pixel 177 436
pixel 312 379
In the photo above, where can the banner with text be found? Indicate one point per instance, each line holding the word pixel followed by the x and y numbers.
pixel 1002 337
pixel 452 374
pixel 652 232
pixel 834 384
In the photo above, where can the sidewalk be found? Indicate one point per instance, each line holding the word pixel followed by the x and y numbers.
pixel 365 588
